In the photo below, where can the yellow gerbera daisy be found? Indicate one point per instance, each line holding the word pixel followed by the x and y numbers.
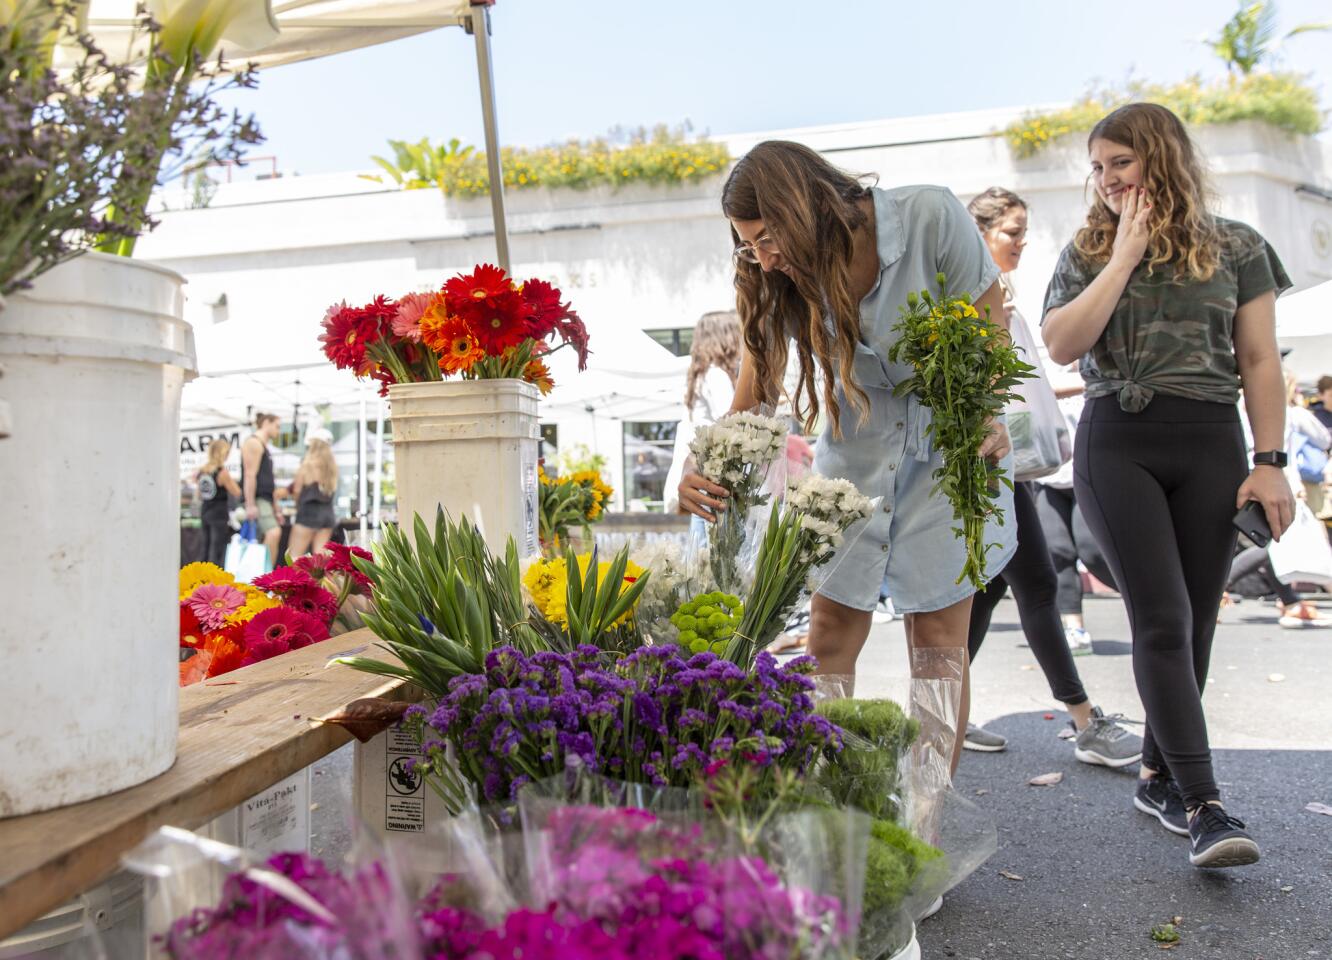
pixel 195 575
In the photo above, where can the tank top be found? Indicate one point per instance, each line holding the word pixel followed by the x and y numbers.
pixel 263 478
pixel 213 495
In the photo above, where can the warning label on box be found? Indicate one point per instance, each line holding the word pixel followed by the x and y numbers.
pixel 401 741
pixel 405 814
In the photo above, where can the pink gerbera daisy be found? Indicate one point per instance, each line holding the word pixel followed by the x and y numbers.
pixel 407 321
pixel 212 603
pixel 284 580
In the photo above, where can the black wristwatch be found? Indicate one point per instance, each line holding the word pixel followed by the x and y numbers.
pixel 1270 458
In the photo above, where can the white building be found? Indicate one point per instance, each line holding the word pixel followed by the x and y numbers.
pixel 266 258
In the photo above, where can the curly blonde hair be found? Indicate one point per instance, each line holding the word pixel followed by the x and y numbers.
pixel 812 211
pixel 1183 231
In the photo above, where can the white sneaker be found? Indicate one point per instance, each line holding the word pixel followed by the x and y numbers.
pixel 884 612
pixel 1079 640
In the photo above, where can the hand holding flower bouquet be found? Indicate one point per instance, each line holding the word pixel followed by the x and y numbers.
pixel 736 453
pixel 481 326
pixel 801 535
pixel 965 370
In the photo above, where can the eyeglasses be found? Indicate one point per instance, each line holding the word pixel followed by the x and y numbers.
pixel 748 252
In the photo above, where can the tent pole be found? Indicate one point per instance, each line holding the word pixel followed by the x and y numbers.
pixel 361 463
pixel 480 29
pixel 379 465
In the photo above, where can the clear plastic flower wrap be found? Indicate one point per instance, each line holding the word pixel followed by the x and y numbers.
pixel 746 454
pixel 208 901
pixel 797 552
pixel 924 836
pixel 673 878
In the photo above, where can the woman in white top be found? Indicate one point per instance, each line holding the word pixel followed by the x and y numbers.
pixel 714 363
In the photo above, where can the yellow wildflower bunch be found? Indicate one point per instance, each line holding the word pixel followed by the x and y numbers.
pixel 548 583
pixel 577 499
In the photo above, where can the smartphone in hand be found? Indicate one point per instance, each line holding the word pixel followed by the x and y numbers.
pixel 1252 522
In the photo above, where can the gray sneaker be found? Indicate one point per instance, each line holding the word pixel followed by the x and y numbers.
pixel 978 738
pixel 1106 742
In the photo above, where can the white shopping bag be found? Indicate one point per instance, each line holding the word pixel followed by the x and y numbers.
pixel 1036 427
pixel 1303 554
pixel 247 558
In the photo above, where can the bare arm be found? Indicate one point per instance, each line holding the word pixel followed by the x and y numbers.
pixel 252 454
pixel 228 482
pixel 1071 330
pixel 1265 401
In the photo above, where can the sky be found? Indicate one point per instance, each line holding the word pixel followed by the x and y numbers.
pixel 577 68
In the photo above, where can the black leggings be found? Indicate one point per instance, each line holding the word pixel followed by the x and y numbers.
pixel 216 536
pixel 1069 540
pixel 1158 491
pixel 1032 577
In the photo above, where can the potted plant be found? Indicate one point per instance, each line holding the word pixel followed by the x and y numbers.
pixel 94 355
pixel 463 368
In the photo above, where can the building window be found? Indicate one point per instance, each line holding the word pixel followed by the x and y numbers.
pixel 647 459
pixel 677 340
pixel 549 447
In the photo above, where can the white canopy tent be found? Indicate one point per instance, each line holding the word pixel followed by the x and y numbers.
pixel 1304 325
pixel 271 34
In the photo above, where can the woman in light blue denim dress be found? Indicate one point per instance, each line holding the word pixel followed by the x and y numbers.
pixel 828 262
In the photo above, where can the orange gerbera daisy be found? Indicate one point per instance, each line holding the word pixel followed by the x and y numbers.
pixel 458 348
pixel 433 319
pixel 537 372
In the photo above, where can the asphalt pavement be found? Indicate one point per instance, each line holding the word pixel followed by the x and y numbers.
pixel 1079 873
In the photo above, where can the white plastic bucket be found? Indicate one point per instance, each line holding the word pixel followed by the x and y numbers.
pixel 108 918
pixel 471 446
pixel 94 358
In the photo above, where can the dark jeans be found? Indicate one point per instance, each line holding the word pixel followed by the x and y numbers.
pixel 1158 491
pixel 1032 577
pixel 1069 540
pixel 216 536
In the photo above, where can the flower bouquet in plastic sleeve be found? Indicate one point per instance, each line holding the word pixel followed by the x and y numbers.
pixel 209 901
pixel 819 516
pixel 746 454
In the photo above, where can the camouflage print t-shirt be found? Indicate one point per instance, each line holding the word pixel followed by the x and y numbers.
pixel 1172 336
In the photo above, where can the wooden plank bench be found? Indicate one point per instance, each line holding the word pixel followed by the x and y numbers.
pixel 239 734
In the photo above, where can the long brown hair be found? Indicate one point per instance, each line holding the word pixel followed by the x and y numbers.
pixel 319 466
pixel 1183 233
pixel 811 210
pixel 716 344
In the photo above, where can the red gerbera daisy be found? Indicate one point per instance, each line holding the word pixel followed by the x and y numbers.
pixel 572 330
pixel 479 290
pixel 226 648
pixel 284 580
pixel 347 333
pixel 341 562
pixel 191 630
pixel 317 565
pixel 314 600
pixel 311 630
pixel 544 307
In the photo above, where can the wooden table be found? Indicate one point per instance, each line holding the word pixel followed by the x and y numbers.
pixel 239 734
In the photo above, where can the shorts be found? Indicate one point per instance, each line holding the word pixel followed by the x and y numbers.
pixel 267 519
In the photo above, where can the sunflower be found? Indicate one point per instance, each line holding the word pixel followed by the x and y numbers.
pixel 195 575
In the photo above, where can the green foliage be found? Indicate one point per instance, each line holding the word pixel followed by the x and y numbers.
pixel 965 369
pixel 442 604
pixel 1165 933
pixel 708 621
pixel 894 860
pixel 579 458
pixel 1244 40
pixel 1284 100
pixel 660 156
pixel 864 773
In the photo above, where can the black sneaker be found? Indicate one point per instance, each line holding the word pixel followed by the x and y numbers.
pixel 1160 798
pixel 1219 840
